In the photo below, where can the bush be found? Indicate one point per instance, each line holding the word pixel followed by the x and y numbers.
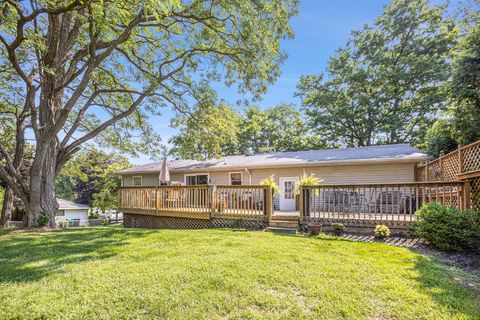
pixel 42 219
pixel 62 224
pixel 448 228
pixel 382 231
pixel 106 221
pixel 338 227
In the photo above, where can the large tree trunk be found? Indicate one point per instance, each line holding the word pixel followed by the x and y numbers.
pixel 42 200
pixel 7 207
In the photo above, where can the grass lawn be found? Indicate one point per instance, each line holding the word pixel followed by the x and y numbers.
pixel 116 273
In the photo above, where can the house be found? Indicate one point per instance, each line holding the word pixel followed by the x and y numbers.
pixel 373 164
pixel 77 213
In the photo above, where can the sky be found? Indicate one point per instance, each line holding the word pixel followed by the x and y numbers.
pixel 321 27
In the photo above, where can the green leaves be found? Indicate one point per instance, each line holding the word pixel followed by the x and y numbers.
pixel 386 85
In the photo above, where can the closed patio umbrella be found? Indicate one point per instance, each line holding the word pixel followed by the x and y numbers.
pixel 164 176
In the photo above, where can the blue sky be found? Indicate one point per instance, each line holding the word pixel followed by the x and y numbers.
pixel 320 28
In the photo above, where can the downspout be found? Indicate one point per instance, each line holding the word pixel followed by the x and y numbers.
pixel 249 176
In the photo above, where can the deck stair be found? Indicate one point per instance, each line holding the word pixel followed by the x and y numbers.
pixel 283 224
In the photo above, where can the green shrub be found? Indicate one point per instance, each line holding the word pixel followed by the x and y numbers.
pixel 62 224
pixel 382 231
pixel 448 228
pixel 106 221
pixel 42 219
pixel 338 227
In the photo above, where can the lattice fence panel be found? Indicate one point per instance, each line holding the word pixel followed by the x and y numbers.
pixel 471 158
pixel 475 193
pixel 159 222
pixel 163 222
pixel 450 167
pixel 434 172
pixel 420 173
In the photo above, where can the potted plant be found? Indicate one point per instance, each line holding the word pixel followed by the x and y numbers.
pixel 270 181
pixel 314 228
pixel 307 180
pixel 338 228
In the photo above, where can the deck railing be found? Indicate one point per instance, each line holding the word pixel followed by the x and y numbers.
pixel 201 202
pixel 378 203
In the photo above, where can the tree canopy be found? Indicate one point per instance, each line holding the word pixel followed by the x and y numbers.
pixel 386 85
pixel 219 130
pixel 89 69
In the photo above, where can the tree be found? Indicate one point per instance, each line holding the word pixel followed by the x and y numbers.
pixel 440 137
pixel 386 85
pixel 210 132
pixel 90 69
pixel 218 131
pixel 275 129
pixel 465 87
pixel 89 178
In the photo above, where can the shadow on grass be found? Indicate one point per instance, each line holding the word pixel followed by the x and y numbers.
pixel 29 256
pixel 449 286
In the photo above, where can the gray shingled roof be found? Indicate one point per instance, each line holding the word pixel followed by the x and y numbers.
pixel 385 153
pixel 65 204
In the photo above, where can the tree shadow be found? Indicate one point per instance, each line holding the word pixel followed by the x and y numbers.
pixel 449 286
pixel 29 256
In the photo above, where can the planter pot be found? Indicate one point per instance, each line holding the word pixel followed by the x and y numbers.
pixel 314 229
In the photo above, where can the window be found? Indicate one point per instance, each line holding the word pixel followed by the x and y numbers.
pixel 60 213
pixel 236 178
pixel 195 179
pixel 137 180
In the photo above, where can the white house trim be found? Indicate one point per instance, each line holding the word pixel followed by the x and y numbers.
pixel 230 177
pixel 195 174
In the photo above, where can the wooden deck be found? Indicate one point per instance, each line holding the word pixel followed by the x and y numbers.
pixel 348 204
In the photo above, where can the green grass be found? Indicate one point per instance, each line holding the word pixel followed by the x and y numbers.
pixel 116 273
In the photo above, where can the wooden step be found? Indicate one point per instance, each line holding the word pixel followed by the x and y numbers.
pixel 282 230
pixel 283 224
pixel 285 218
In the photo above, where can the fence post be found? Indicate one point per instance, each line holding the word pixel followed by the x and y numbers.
pixel 157 200
pixel 426 171
pixel 213 197
pixel 301 205
pixel 466 195
pixel 269 202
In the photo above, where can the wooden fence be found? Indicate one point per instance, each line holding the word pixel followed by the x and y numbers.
pixel 198 202
pixel 393 204
pixel 462 164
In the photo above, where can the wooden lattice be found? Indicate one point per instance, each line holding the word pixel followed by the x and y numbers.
pixel 420 173
pixel 450 167
pixel 162 222
pixel 471 157
pixel 434 171
pixel 475 193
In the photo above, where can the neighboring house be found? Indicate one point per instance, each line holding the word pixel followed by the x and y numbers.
pixel 68 210
pixel 374 164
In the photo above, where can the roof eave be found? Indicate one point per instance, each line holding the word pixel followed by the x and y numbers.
pixel 289 165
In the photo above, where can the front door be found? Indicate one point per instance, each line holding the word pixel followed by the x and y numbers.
pixel 287 193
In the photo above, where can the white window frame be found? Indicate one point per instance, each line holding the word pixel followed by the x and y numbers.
pixel 195 174
pixel 141 181
pixel 230 177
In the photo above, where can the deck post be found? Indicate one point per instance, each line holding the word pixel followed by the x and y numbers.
pixel 213 197
pixel 466 195
pixel 157 200
pixel 269 202
pixel 300 219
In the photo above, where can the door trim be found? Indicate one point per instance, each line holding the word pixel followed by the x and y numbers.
pixel 281 194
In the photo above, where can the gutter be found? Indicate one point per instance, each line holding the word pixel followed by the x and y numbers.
pixel 290 165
